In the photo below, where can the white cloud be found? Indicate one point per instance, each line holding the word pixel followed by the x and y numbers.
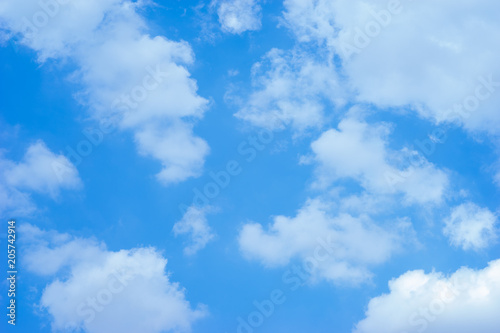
pixel 238 16
pixel 100 291
pixel 40 171
pixel 404 56
pixel 338 248
pixel 138 82
pixel 471 227
pixel 43 171
pixel 467 301
pixel 181 153
pixel 194 223
pixel 291 88
pixel 54 28
pixel 359 151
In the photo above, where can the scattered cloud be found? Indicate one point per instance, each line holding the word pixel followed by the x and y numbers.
pixel 194 223
pixel 471 227
pixel 291 88
pixel 464 302
pixel 40 171
pixel 181 152
pixel 238 16
pixel 97 290
pixel 359 151
pixel 438 80
pixel 137 82
pixel 349 245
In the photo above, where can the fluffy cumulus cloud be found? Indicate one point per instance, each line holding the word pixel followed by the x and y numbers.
pixel 194 223
pixel 238 16
pixel 394 53
pixel 97 290
pixel 54 28
pixel 40 171
pixel 291 88
pixel 471 227
pixel 334 247
pixel 135 81
pixel 359 151
pixel 179 150
pixel 467 301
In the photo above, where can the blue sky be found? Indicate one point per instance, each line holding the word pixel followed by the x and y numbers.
pixel 354 146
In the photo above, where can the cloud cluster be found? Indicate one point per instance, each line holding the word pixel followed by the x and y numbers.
pixel 97 290
pixel 467 301
pixel 136 81
pixel 40 171
pixel 291 88
pixel 344 247
pixel 471 227
pixel 238 16
pixel 359 151
pixel 395 54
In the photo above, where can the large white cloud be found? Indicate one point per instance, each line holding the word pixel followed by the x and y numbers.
pixel 194 223
pixel 238 16
pixel 40 171
pixel 360 151
pixel 137 82
pixel 467 301
pixel 471 227
pixel 337 248
pixel 291 88
pixel 100 291
pixel 395 53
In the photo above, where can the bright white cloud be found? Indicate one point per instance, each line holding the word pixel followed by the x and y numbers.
pixel 467 301
pixel 471 227
pixel 238 16
pixel 291 88
pixel 394 53
pixel 194 223
pixel 138 82
pixel 338 248
pixel 103 291
pixel 40 171
pixel 359 151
